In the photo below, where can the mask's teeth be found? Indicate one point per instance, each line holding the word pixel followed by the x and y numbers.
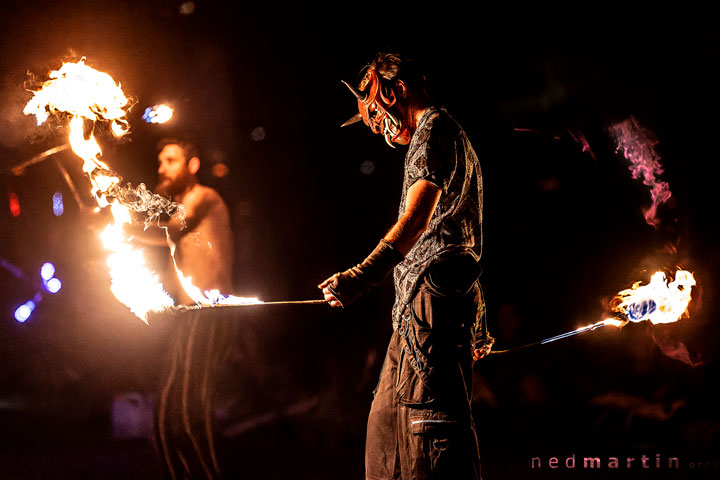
pixel 393 119
pixel 388 133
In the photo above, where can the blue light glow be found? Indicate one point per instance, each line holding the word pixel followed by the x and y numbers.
pixel 23 312
pixel 47 271
pixel 53 285
pixel 640 310
pixel 58 207
pixel 158 114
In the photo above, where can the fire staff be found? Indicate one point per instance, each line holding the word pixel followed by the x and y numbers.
pixel 420 424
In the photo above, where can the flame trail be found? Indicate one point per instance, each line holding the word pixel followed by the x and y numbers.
pixel 208 297
pixel 87 96
pixel 638 146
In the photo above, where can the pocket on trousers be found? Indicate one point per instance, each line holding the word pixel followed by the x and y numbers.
pixel 433 443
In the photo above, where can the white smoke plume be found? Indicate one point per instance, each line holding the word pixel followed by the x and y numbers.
pixel 141 200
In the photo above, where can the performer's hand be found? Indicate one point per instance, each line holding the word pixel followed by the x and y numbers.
pixel 343 288
pixel 483 349
pixel 329 297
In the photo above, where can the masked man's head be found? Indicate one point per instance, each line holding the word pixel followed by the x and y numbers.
pixel 382 96
pixel 178 164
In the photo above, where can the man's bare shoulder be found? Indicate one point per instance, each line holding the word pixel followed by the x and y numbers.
pixel 202 194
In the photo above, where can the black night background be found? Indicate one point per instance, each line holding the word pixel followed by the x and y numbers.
pixel 259 90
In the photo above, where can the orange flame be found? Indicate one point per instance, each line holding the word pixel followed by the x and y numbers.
pixel 86 96
pixel 660 301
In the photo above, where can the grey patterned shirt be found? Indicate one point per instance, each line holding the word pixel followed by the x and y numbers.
pixel 440 153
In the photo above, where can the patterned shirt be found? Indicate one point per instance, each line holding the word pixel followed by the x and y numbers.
pixel 440 153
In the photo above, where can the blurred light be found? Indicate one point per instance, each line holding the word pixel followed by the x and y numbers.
pixel 14 269
pixel 367 167
pixel 47 271
pixel 53 285
pixel 14 204
pixel 258 134
pixel 23 312
pixel 186 8
pixel 220 170
pixel 158 114
pixel 58 207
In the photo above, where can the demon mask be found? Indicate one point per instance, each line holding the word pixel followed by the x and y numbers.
pixel 374 106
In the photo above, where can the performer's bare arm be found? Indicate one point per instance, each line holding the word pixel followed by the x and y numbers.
pixel 153 236
pixel 422 198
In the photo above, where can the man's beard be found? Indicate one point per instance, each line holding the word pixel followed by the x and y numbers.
pixel 171 187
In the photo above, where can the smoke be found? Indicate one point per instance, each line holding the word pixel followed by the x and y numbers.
pixel 15 128
pixel 638 146
pixel 676 350
pixel 142 200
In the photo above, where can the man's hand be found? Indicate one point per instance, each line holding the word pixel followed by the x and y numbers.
pixel 329 297
pixel 344 288
pixel 483 350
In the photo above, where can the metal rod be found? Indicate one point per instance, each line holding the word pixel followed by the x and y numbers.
pixel 18 170
pixel 70 184
pixel 555 338
pixel 183 308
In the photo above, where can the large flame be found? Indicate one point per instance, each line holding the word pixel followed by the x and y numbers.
pixel 87 96
pixel 660 301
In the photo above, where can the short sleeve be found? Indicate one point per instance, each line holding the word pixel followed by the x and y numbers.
pixel 435 157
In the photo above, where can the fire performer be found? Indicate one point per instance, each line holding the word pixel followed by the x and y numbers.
pixel 203 247
pixel 420 423
pixel 203 251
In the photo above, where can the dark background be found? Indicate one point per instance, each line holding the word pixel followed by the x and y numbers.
pixel 564 229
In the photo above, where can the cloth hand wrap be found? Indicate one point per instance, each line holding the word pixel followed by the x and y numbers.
pixel 347 286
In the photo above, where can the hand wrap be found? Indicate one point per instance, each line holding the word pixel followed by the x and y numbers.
pixel 347 286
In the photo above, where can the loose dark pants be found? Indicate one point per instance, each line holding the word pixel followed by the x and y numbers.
pixel 420 424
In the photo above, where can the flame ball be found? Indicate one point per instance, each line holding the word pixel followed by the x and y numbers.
pixel 638 311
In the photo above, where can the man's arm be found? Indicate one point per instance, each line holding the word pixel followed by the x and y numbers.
pixel 422 198
pixel 154 236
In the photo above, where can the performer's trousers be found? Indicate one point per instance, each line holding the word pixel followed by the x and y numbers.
pixel 420 424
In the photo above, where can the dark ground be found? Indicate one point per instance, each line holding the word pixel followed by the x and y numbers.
pixel 563 232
